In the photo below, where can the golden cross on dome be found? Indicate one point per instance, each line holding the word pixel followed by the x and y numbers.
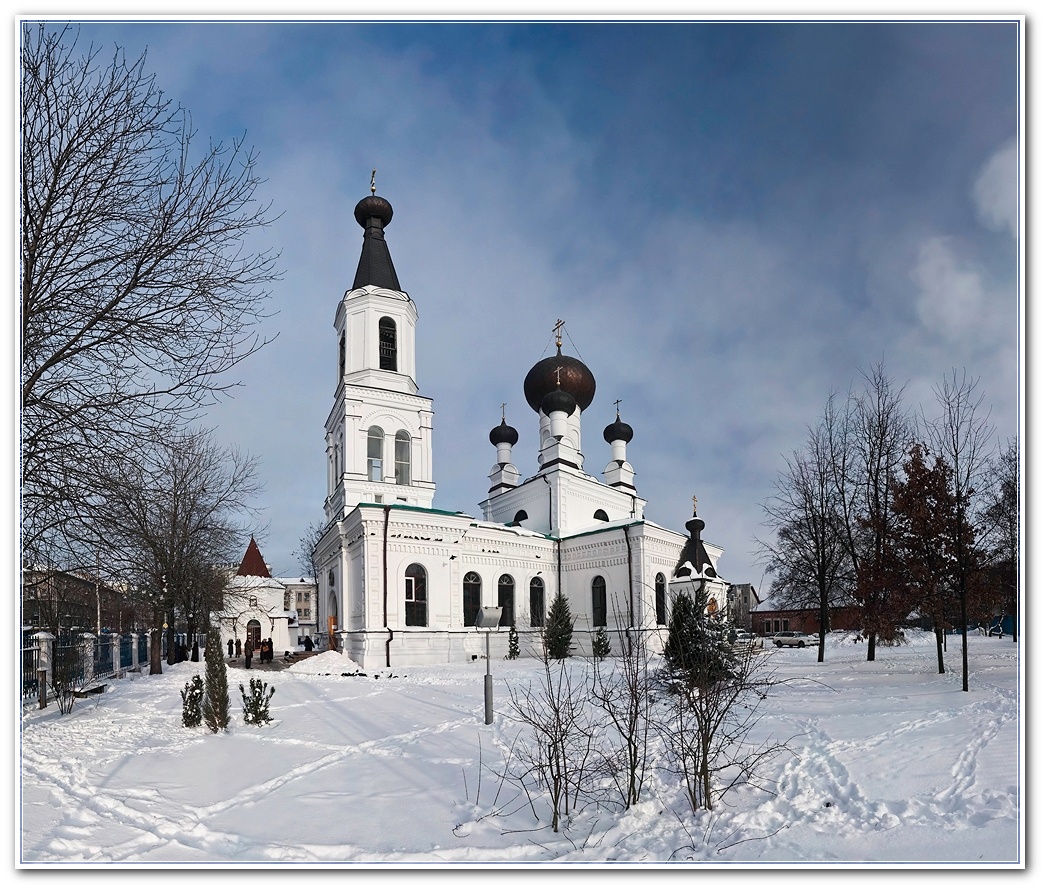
pixel 557 370
pixel 556 329
pixel 372 183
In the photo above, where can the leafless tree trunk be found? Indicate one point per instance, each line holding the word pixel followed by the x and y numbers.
pixel 962 437
pixel 138 290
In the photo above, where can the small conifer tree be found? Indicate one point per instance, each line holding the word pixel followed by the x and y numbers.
pixel 255 705
pixel 697 647
pixel 216 708
pixel 192 697
pixel 559 627
pixel 514 650
pixel 601 644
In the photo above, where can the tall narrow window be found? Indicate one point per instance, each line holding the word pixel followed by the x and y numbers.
pixel 506 600
pixel 660 615
pixel 388 344
pixel 599 601
pixel 415 596
pixel 375 454
pixel 537 602
pixel 343 356
pixel 403 458
pixel 471 598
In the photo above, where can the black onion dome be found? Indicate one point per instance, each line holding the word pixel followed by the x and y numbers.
pixel 373 207
pixel 618 430
pixel 695 525
pixel 503 434
pixel 558 400
pixel 575 378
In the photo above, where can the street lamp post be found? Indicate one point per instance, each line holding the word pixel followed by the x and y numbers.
pixel 488 620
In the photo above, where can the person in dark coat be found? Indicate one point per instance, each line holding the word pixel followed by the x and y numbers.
pixel 270 650
pixel 249 653
pixel 238 647
pixel 308 644
pixel 231 648
pixel 195 651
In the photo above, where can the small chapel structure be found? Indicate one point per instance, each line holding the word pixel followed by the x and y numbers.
pixel 402 582
pixel 256 605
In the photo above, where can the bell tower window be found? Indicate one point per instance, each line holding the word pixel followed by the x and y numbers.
pixel 375 454
pixel 388 344
pixel 403 458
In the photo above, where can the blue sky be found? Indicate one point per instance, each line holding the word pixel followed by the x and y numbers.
pixel 733 218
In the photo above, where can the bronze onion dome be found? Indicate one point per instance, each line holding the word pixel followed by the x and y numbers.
pixel 574 377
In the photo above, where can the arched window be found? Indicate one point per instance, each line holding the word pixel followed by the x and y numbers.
pixel 375 454
pixel 415 596
pixel 253 634
pixel 599 601
pixel 471 598
pixel 403 458
pixel 537 602
pixel 520 517
pixel 343 356
pixel 388 344
pixel 601 515
pixel 660 614
pixel 506 600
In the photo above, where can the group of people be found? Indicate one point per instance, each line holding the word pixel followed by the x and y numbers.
pixel 265 648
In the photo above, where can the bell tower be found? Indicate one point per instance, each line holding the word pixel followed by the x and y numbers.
pixel 379 432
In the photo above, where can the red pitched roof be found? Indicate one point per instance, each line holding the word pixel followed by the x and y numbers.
pixel 253 563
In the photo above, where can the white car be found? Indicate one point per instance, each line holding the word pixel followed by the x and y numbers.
pixel 791 637
pixel 744 639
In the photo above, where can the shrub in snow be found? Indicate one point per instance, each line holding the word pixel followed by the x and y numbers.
pixel 255 704
pixel 559 627
pixel 216 708
pixel 192 696
pixel 514 650
pixel 601 644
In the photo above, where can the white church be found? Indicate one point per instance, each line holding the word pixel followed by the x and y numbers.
pixel 402 582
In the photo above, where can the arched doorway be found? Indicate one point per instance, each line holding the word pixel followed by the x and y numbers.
pixel 253 633
pixel 332 618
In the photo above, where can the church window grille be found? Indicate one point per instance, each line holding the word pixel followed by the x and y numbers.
pixel 332 578
pixel 599 601
pixel 537 602
pixel 388 344
pixel 375 454
pixel 601 515
pixel 506 600
pixel 415 596
pixel 403 458
pixel 660 614
pixel 471 598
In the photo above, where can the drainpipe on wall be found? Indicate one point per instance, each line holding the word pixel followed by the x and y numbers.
pixel 386 626
pixel 632 609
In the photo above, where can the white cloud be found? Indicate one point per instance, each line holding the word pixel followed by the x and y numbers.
pixel 996 190
pixel 950 301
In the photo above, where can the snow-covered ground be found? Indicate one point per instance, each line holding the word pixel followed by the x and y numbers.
pixel 892 764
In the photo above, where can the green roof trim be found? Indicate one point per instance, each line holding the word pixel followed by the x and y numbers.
pixel 413 508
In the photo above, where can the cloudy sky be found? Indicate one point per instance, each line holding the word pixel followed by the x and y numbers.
pixel 733 218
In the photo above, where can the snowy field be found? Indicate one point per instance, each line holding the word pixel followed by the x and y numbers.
pixel 892 764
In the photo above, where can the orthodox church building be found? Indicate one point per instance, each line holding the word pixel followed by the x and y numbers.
pixel 402 582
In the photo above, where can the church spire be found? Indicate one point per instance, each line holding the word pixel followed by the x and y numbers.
pixel 375 267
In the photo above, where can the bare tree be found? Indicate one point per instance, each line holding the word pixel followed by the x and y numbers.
pixel 867 445
pixel 169 519
pixel 1001 518
pixel 808 558
pixel 962 436
pixel 138 291
pixel 305 558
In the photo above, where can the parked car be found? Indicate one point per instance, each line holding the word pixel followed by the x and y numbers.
pixel 744 639
pixel 789 638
